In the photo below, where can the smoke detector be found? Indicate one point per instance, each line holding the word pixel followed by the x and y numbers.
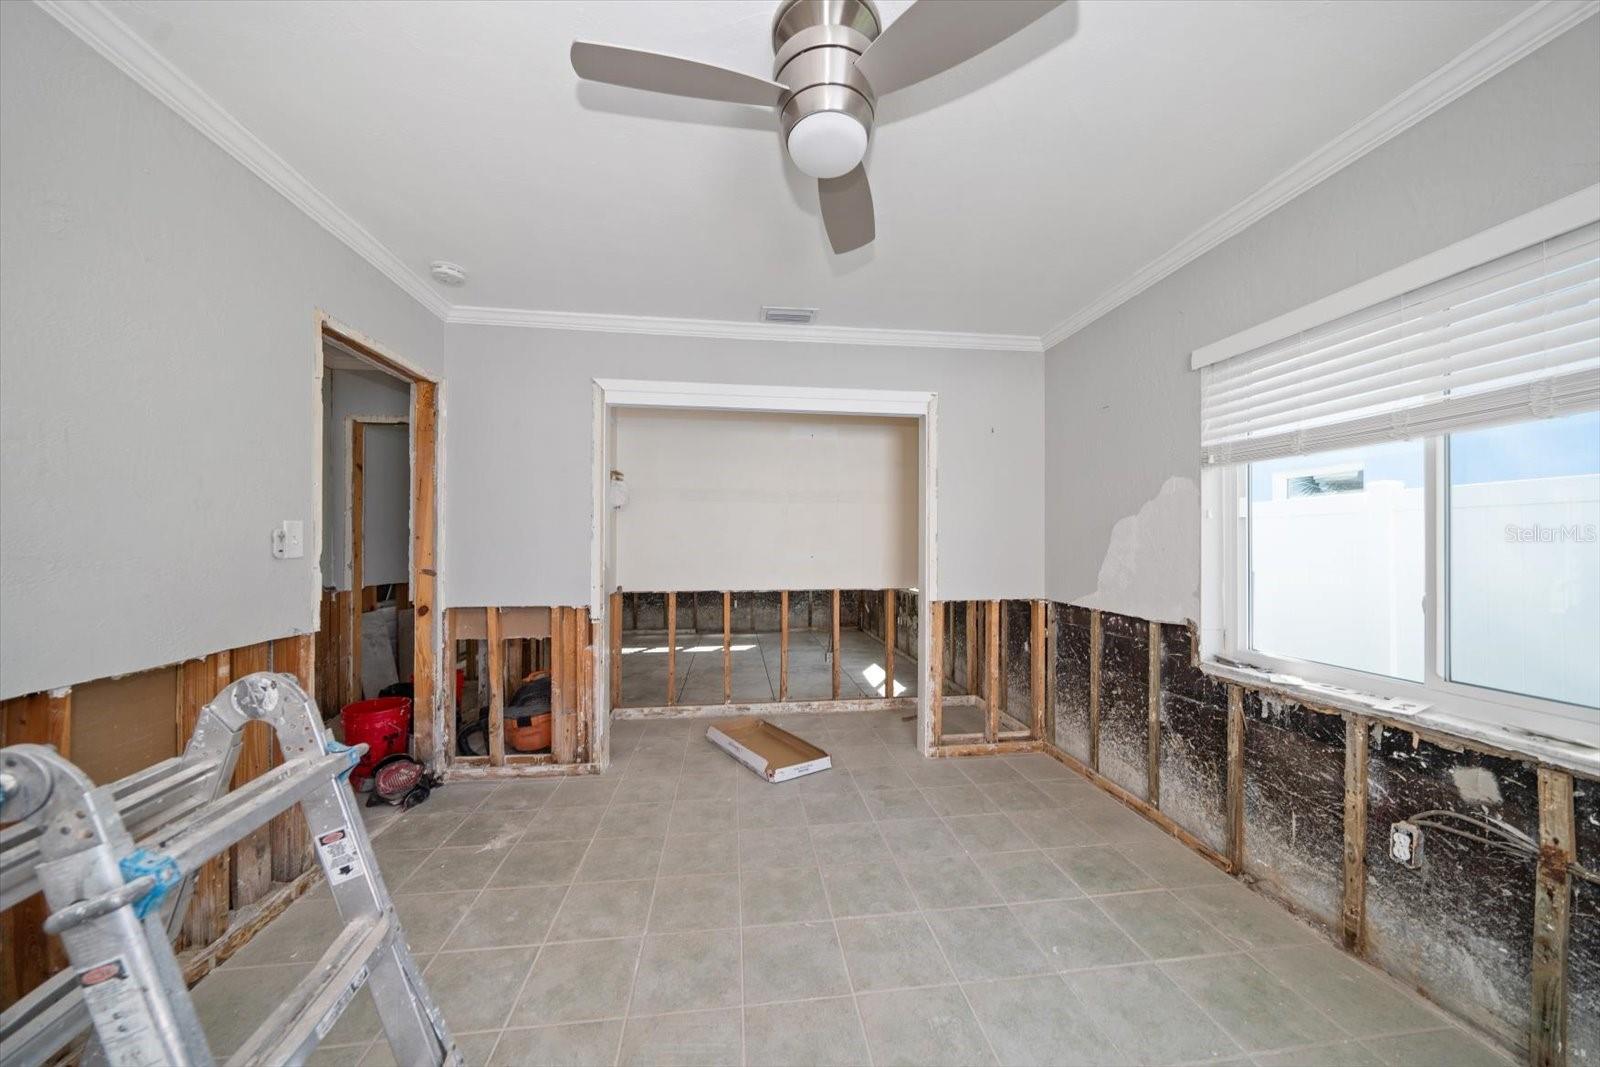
pixel 801 316
pixel 446 273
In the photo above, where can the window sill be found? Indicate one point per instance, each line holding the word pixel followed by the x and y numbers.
pixel 1542 748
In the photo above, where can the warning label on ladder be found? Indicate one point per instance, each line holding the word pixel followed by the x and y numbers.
pixel 337 852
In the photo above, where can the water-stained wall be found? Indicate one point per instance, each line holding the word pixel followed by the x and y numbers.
pixel 1583 956
pixel 1194 741
pixel 1124 701
pixel 1294 803
pixel 1461 927
pixel 1071 669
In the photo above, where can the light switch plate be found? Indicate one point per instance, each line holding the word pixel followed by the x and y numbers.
pixel 289 539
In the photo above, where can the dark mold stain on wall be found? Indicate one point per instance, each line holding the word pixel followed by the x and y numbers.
pixel 1194 741
pixel 766 612
pixel 1294 803
pixel 1016 661
pixel 1583 954
pixel 957 673
pixel 1072 681
pixel 1124 703
pixel 704 611
pixel 649 611
pixel 1461 927
pixel 907 622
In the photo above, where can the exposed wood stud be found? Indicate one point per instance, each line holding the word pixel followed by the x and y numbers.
pixel 1353 909
pixel 497 692
pixel 1096 638
pixel 250 866
pixel 347 637
pixel 888 642
pixel 1036 655
pixel 25 952
pixel 423 585
pixel 672 648
pixel 1235 778
pixel 783 645
pixel 973 681
pixel 583 719
pixel 614 615
pixel 989 748
pixel 568 650
pixel 291 841
pixel 1051 639
pixel 991 667
pixel 935 673
pixel 833 646
pixel 1552 916
pixel 727 647
pixel 199 682
pixel 1153 708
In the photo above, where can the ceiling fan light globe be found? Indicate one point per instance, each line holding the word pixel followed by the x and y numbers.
pixel 827 144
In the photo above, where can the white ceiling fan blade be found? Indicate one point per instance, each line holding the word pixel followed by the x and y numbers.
pixel 661 73
pixel 934 35
pixel 847 210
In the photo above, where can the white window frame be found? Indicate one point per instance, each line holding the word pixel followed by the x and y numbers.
pixel 1225 550
pixel 1227 510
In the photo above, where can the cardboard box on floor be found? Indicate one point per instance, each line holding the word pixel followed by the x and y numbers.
pixel 775 754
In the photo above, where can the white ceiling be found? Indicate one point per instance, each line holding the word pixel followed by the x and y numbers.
pixel 1013 192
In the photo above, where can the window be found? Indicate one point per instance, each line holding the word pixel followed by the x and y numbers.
pixel 1524 551
pixel 1405 501
pixel 1337 563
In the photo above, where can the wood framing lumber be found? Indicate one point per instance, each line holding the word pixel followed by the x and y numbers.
pixel 833 644
pixel 1153 718
pixel 1096 639
pixel 888 642
pixel 1052 636
pixel 1235 778
pixel 991 670
pixel 783 645
pixel 1036 664
pixel 973 682
pixel 497 688
pixel 672 648
pixel 988 748
pixel 207 918
pixel 935 673
pixel 1552 916
pixel 571 637
pixel 291 842
pixel 424 571
pixel 1353 904
pixel 727 647
pixel 250 867
pixel 614 660
pixel 583 718
pixel 768 707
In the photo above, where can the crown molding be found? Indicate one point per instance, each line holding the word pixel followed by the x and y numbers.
pixel 740 331
pixel 1535 27
pixel 108 35
pixel 97 26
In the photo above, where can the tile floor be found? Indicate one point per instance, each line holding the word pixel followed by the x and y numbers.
pixel 755 667
pixel 679 910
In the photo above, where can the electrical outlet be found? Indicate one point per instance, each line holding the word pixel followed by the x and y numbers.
pixel 289 539
pixel 1405 845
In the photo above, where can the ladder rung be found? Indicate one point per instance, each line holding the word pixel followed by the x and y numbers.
pixel 222 822
pixel 140 800
pixel 35 1027
pixel 320 998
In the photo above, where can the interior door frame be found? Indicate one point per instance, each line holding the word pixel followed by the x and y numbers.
pixel 423 423
pixel 612 393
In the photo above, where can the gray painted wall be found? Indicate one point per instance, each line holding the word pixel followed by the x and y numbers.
pixel 157 362
pixel 1123 408
pixel 517 474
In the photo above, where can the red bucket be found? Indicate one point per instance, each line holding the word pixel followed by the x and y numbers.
pixel 383 724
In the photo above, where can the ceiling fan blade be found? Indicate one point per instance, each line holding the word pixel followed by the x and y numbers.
pixel 934 35
pixel 847 210
pixel 661 73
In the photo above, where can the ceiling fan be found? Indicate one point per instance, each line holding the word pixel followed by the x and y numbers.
pixel 833 60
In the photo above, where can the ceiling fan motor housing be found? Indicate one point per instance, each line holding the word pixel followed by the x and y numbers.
pixel 816 44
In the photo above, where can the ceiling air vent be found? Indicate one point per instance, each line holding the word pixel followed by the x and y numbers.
pixel 794 316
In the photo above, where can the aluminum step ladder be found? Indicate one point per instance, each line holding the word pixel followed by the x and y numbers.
pixel 117 866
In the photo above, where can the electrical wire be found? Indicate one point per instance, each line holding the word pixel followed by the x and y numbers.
pixel 1493 834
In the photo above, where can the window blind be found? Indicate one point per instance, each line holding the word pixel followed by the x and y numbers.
pixel 1513 339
